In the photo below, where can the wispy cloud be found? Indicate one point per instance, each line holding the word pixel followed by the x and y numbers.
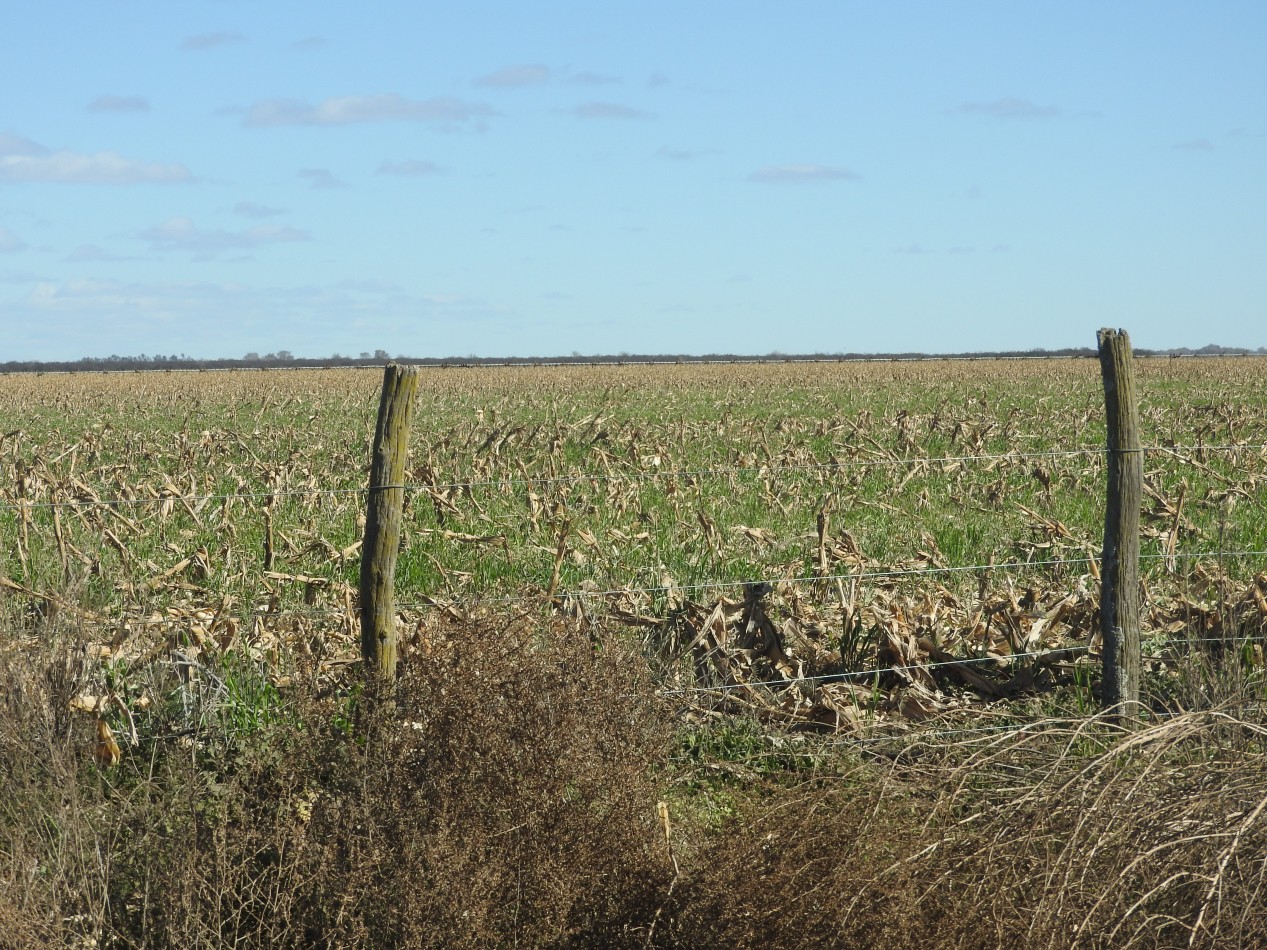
pixel 411 167
pixel 172 316
pixel 1195 145
pixel 119 104
pixel 587 78
pixel 607 110
pixel 801 174
pixel 514 77
pixel 181 234
pixel 308 43
pixel 11 144
pixel 22 160
pixel 346 110
pixel 10 243
pixel 205 41
pixel 249 209
pixel 683 154
pixel 95 254
pixel 1010 108
pixel 322 178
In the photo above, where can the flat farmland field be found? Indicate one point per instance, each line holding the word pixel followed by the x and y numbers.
pixel 782 580
pixel 933 497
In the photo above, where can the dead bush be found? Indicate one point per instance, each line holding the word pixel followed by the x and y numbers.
pixel 503 793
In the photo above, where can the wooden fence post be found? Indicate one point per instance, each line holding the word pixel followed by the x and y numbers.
pixel 1119 566
pixel 383 514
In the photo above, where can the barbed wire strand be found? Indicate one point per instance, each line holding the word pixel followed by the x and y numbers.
pixel 439 602
pixel 997 659
pixel 1002 660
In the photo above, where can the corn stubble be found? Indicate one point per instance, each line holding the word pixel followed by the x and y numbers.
pixel 749 544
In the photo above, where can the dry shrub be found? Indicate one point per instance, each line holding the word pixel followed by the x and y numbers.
pixel 509 798
pixel 48 837
pixel 503 794
pixel 821 865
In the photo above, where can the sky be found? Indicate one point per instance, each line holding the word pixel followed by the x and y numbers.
pixel 220 177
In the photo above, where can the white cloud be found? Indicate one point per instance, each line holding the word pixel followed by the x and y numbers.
pixel 205 41
pixel 108 168
pixel 181 234
pixel 1010 108
pixel 1195 145
pixel 411 167
pixel 308 43
pixel 119 104
pixel 322 178
pixel 801 174
pixel 346 110
pixel 249 209
pixel 10 243
pixel 514 77
pixel 607 110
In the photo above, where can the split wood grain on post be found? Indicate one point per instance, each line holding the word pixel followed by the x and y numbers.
pixel 383 516
pixel 1120 588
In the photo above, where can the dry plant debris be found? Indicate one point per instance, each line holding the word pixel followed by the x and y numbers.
pixel 215 512
pixel 889 568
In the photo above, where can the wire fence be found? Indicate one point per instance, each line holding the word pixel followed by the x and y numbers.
pixel 476 600
pixel 85 498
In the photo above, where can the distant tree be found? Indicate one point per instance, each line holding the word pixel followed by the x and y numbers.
pixel 251 356
pixel 382 355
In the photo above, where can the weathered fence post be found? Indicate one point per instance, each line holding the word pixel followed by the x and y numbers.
pixel 1119 568
pixel 383 514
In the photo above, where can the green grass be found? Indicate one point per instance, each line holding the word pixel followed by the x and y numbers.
pixel 777 445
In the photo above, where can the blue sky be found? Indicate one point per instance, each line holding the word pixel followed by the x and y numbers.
pixel 216 178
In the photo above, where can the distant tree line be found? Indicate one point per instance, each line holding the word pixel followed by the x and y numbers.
pixel 286 359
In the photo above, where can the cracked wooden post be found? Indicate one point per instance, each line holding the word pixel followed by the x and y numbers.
pixel 383 514
pixel 1119 566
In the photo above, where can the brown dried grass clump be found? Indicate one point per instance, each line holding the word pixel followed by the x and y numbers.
pixel 1060 834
